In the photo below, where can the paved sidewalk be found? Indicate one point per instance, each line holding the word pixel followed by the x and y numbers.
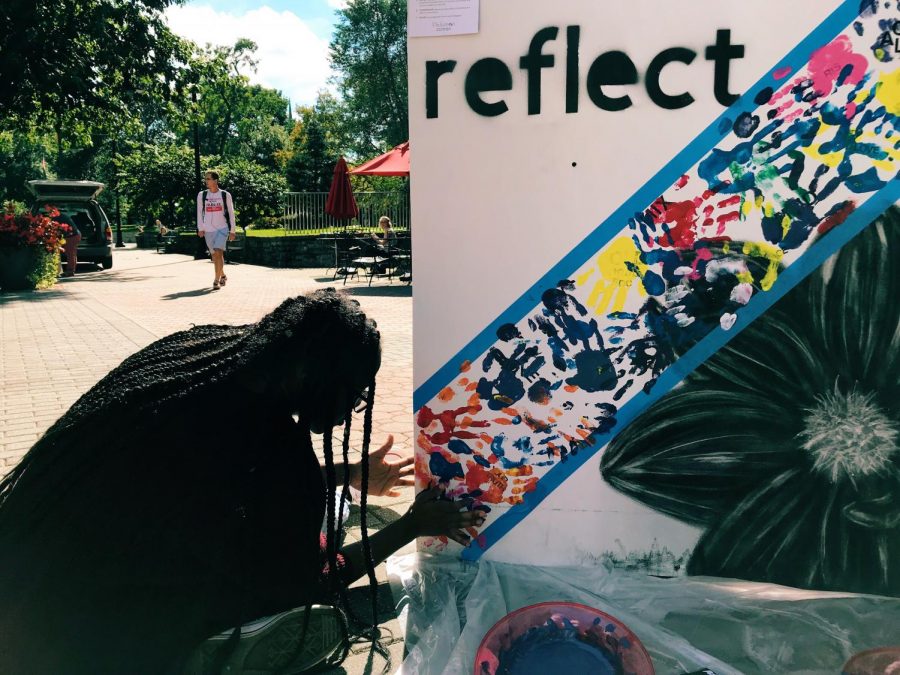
pixel 104 316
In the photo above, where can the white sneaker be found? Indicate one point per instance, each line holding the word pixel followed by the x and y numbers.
pixel 273 644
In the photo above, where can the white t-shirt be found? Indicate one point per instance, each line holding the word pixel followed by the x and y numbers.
pixel 214 219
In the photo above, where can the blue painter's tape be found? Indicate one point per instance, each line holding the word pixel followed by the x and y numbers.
pixel 839 20
pixel 810 261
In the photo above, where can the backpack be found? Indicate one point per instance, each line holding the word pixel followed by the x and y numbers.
pixel 224 206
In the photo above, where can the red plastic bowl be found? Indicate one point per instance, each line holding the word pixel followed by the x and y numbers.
pixel 874 662
pixel 593 626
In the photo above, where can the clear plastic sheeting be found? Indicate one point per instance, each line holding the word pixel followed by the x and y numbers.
pixel 685 623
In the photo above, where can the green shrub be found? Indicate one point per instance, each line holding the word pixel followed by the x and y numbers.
pixel 45 269
pixel 266 223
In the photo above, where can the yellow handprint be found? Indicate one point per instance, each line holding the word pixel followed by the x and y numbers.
pixel 619 266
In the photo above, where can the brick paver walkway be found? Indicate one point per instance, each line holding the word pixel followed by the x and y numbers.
pixel 98 318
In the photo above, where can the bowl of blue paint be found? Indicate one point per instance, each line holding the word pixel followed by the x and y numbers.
pixel 561 637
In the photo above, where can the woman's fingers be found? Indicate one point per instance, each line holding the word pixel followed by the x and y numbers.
pixel 407 470
pixel 459 537
pixel 405 482
pixel 471 518
pixel 429 494
pixel 384 449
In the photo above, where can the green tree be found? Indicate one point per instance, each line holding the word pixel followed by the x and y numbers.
pixel 235 117
pixel 22 158
pixel 257 192
pixel 368 53
pixel 159 182
pixel 77 58
pixel 310 169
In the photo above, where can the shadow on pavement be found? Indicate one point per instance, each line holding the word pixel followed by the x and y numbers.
pixel 363 659
pixel 392 291
pixel 105 278
pixel 188 294
pixel 30 296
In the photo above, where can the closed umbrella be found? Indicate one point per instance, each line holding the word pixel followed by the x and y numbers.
pixel 341 203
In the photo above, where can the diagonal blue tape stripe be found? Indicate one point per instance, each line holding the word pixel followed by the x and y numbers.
pixel 839 20
pixel 810 261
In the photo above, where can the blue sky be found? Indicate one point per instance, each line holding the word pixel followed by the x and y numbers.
pixel 319 14
pixel 292 35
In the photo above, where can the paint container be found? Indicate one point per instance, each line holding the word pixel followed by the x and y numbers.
pixel 561 637
pixel 881 661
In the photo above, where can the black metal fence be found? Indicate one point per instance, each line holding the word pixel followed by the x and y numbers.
pixel 305 211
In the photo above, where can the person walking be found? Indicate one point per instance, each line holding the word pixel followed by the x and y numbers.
pixel 215 223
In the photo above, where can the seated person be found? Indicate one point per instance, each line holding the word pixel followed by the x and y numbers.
pixel 388 237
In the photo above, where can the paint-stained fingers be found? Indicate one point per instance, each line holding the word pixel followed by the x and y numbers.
pixel 471 518
pixel 459 537
pixel 429 495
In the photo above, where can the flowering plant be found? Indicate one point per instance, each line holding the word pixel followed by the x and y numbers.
pixel 23 229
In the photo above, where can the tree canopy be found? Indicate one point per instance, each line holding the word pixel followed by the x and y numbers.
pixel 368 54
pixel 103 90
pixel 77 57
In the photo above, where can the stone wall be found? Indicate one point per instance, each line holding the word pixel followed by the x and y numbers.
pixel 272 251
pixel 288 252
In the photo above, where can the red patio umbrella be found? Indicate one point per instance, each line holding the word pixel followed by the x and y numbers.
pixel 341 203
pixel 392 163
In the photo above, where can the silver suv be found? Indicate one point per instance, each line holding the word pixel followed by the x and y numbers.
pixel 78 199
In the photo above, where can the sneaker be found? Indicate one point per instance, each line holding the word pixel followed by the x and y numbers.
pixel 276 644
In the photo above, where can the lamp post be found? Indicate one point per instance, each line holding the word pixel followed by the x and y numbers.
pixel 200 251
pixel 119 242
pixel 196 139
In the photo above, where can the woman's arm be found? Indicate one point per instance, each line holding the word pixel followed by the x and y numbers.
pixel 429 515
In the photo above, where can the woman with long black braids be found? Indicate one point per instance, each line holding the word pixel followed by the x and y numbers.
pixel 129 533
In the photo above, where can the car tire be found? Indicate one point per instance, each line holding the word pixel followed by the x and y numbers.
pixel 107 262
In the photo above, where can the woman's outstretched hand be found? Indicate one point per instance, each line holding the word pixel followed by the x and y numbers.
pixel 432 514
pixel 384 476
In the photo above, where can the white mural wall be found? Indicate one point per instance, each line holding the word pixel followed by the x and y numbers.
pixel 623 215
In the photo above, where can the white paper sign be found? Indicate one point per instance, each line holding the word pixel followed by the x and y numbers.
pixel 434 18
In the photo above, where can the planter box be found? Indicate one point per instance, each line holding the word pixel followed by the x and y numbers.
pixel 145 240
pixel 18 265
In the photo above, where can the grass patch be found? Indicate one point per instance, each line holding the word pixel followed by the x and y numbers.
pixel 308 233
pixel 272 234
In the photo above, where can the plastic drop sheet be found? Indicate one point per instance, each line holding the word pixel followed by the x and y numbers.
pixel 685 623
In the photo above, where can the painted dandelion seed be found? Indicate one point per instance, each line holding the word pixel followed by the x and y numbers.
pixel 848 435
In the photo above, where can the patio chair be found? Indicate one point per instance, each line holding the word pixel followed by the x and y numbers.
pixel 402 259
pixel 346 250
pixel 165 243
pixel 375 260
pixel 235 249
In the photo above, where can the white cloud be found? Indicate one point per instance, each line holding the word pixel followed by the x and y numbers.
pixel 291 57
pixel 338 4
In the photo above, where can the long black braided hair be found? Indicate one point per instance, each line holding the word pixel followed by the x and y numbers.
pixel 325 331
